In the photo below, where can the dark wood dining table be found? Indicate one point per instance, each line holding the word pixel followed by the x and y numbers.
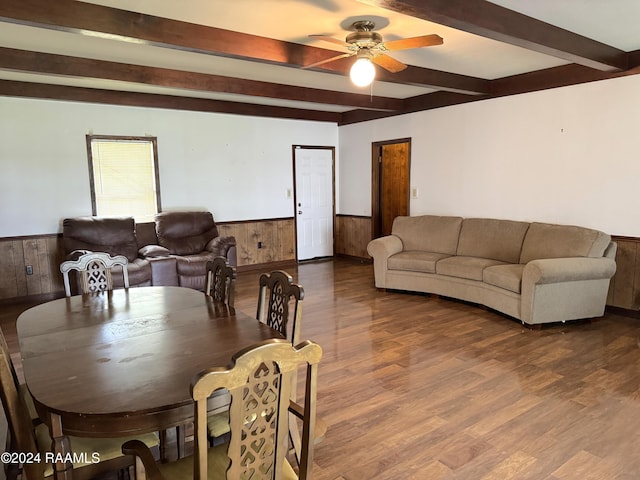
pixel 121 362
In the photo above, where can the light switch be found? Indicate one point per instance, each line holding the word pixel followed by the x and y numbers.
pixel 414 192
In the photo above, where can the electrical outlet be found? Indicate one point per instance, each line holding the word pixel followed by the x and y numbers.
pixel 259 244
pixel 29 270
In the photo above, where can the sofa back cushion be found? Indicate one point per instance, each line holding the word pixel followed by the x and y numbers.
pixel 146 234
pixel 491 238
pixel 115 236
pixel 430 233
pixel 544 240
pixel 185 233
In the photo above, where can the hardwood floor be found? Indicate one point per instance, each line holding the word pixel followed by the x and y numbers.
pixel 415 387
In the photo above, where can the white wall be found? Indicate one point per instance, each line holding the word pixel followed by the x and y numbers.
pixel 238 167
pixel 569 155
pixel 566 155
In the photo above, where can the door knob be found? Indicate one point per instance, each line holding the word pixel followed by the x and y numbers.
pixel 299 212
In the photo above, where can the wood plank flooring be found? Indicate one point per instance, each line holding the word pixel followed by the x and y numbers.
pixel 416 387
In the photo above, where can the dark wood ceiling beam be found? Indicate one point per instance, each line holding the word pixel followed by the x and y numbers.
pixel 426 77
pixel 547 78
pixel 100 21
pixel 428 101
pixel 555 77
pixel 96 20
pixel 493 21
pixel 43 63
pixel 112 97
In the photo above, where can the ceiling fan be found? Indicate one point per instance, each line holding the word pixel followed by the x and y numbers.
pixel 369 47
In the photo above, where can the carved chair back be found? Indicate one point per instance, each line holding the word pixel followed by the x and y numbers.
pixel 260 383
pixel 220 281
pixel 94 269
pixel 279 302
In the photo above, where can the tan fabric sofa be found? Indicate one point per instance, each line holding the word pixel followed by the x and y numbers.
pixel 535 272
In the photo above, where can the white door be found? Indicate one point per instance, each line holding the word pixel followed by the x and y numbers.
pixel 314 202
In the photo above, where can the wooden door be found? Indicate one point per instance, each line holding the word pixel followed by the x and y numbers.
pixel 391 185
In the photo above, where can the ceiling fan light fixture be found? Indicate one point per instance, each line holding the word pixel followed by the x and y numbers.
pixel 362 72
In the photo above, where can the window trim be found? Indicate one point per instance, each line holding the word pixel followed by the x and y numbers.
pixel 154 146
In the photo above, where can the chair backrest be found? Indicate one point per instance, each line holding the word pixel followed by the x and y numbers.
pixel 94 269
pixel 18 421
pixel 185 233
pixel 277 291
pixel 113 235
pixel 220 281
pixel 260 382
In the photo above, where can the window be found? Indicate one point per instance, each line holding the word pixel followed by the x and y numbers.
pixel 124 176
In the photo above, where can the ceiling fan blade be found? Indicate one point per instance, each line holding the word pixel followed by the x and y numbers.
pixel 332 59
pixel 388 63
pixel 413 42
pixel 330 39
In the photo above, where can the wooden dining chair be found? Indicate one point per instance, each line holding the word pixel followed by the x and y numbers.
pixel 94 269
pixel 259 380
pixel 277 291
pixel 279 305
pixel 29 435
pixel 278 295
pixel 219 285
pixel 220 281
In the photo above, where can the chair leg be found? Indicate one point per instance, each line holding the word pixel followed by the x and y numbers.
pixel 180 440
pixel 294 438
pixel 12 471
pixel 163 446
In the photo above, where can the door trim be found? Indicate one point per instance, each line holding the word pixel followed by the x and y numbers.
pixel 295 193
pixel 376 183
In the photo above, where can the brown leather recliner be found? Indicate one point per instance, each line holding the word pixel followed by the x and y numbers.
pixel 192 239
pixel 115 236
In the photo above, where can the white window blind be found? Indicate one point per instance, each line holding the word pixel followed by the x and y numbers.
pixel 124 178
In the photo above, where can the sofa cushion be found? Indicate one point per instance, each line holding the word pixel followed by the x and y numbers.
pixel 465 267
pixel 415 261
pixel 429 233
pixel 545 240
pixel 115 235
pixel 138 271
pixel 508 277
pixel 491 238
pixel 185 233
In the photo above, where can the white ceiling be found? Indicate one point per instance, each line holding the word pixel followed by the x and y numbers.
pixel 613 22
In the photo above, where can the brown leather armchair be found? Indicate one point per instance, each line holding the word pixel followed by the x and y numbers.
pixel 192 239
pixel 115 236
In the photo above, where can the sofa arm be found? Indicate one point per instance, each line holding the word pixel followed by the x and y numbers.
pixel 381 249
pixel 557 270
pixel 153 251
pixel 559 289
pixel 384 247
pixel 220 246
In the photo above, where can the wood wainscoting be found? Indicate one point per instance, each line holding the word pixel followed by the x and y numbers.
pixel 351 236
pixel 42 253
pixel 624 291
pixel 262 241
